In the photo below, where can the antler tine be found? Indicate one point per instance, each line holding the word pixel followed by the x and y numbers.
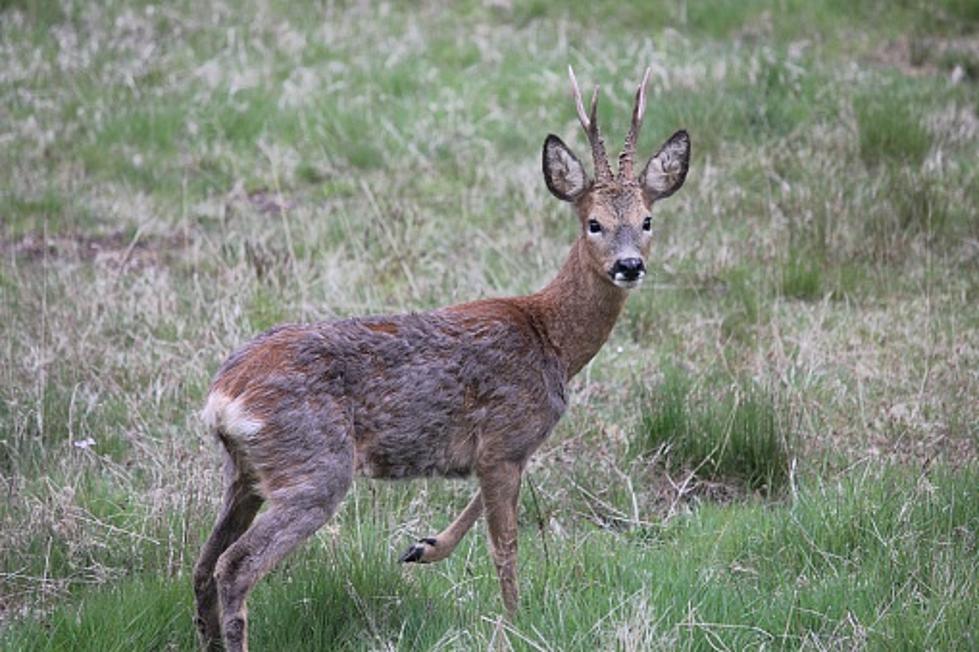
pixel 593 111
pixel 603 171
pixel 576 92
pixel 629 150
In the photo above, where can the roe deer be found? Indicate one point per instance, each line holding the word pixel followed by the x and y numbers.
pixel 469 388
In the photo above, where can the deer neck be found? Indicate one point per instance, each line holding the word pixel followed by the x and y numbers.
pixel 577 310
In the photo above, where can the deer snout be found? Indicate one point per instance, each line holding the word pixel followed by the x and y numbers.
pixel 627 272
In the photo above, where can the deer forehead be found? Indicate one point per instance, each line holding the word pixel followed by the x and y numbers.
pixel 618 203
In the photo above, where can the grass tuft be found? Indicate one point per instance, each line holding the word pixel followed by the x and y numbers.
pixel 889 131
pixel 721 433
pixel 742 306
pixel 802 277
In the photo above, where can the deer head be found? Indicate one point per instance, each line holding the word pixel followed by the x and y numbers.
pixel 615 209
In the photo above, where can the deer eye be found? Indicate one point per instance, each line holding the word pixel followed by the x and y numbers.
pixel 594 226
pixel 647 224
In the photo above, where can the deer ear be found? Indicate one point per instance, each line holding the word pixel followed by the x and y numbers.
pixel 667 169
pixel 563 172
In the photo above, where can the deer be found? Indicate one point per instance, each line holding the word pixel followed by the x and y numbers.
pixel 473 388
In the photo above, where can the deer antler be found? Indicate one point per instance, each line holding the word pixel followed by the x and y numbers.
pixel 603 171
pixel 629 150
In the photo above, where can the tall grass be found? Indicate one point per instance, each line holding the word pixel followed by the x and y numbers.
pixel 730 433
pixel 889 130
pixel 802 277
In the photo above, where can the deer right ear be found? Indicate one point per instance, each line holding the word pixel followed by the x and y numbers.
pixel 563 172
pixel 667 169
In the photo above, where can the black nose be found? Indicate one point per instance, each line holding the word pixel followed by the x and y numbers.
pixel 629 268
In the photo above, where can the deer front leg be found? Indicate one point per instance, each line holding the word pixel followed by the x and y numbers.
pixel 500 486
pixel 440 546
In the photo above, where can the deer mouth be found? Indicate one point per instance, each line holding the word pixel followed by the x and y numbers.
pixel 627 282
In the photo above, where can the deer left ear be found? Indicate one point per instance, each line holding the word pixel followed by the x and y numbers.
pixel 667 169
pixel 563 172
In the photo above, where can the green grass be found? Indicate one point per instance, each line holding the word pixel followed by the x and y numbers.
pixel 175 178
pixel 802 277
pixel 743 306
pixel 890 130
pixel 876 560
pixel 716 432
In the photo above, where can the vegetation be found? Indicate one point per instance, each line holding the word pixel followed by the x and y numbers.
pixel 776 447
pixel 723 434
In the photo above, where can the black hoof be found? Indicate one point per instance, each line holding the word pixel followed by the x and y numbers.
pixel 415 551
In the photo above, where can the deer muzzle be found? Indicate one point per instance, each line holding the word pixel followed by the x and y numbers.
pixel 628 272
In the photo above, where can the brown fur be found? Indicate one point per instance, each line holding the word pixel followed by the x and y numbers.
pixel 472 388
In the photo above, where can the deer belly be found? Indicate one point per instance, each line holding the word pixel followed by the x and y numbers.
pixel 395 455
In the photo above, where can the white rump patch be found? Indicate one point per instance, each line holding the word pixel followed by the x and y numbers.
pixel 229 416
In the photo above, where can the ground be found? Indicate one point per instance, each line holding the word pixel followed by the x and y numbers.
pixel 777 447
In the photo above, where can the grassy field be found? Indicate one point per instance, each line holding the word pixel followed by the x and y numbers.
pixel 778 447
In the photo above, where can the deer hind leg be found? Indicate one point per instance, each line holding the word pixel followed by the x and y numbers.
pixel 431 549
pixel 500 486
pixel 304 479
pixel 241 503
pixel 274 535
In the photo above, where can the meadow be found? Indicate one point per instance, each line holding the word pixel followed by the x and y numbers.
pixel 777 448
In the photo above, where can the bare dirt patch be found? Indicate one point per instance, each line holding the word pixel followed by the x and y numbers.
pixel 119 249
pixel 269 202
pixel 921 56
